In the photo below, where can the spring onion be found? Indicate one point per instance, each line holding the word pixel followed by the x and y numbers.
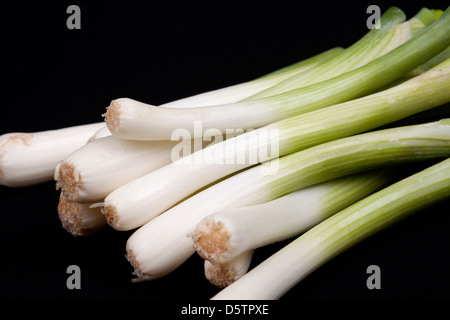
pixel 86 177
pixel 48 148
pixel 94 170
pixel 240 91
pixel 224 274
pixel 251 227
pixel 80 219
pixel 230 94
pixel 312 151
pixel 101 133
pixel 375 43
pixel 162 245
pixel 30 158
pixel 283 270
pixel 163 188
pixel 226 234
pixel 132 119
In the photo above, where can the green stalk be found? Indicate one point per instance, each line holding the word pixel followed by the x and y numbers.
pixel 383 70
pixel 283 270
pixel 343 156
pixel 428 16
pixel 437 59
pixel 421 93
pixel 302 65
pixel 373 44
pixel 437 13
pixel 237 92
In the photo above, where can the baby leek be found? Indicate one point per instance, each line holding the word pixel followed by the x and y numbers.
pixel 283 270
pixel 80 219
pixel 224 235
pixel 240 91
pixel 24 164
pixel 371 46
pixel 101 133
pixel 30 158
pixel 131 119
pixel 162 245
pixel 163 188
pixel 224 274
pixel 93 171
pixel 230 94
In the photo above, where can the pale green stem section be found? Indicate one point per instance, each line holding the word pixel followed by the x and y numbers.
pixel 439 58
pixel 428 16
pixel 282 271
pixel 424 92
pixel 343 156
pixel 304 64
pixel 437 13
pixel 430 64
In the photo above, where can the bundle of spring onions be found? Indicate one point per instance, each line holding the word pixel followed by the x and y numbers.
pixel 311 153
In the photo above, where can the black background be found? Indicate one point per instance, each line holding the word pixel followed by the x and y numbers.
pixel 154 52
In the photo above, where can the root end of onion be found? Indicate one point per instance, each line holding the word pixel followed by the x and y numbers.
pixel 112 115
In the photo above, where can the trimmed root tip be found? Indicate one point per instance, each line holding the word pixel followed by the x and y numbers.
pixel 221 275
pixel 112 115
pixel 68 213
pixel 136 266
pixel 73 220
pixel 69 181
pixel 110 214
pixel 211 240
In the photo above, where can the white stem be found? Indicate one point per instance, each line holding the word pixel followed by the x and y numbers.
pixel 130 119
pixel 30 158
